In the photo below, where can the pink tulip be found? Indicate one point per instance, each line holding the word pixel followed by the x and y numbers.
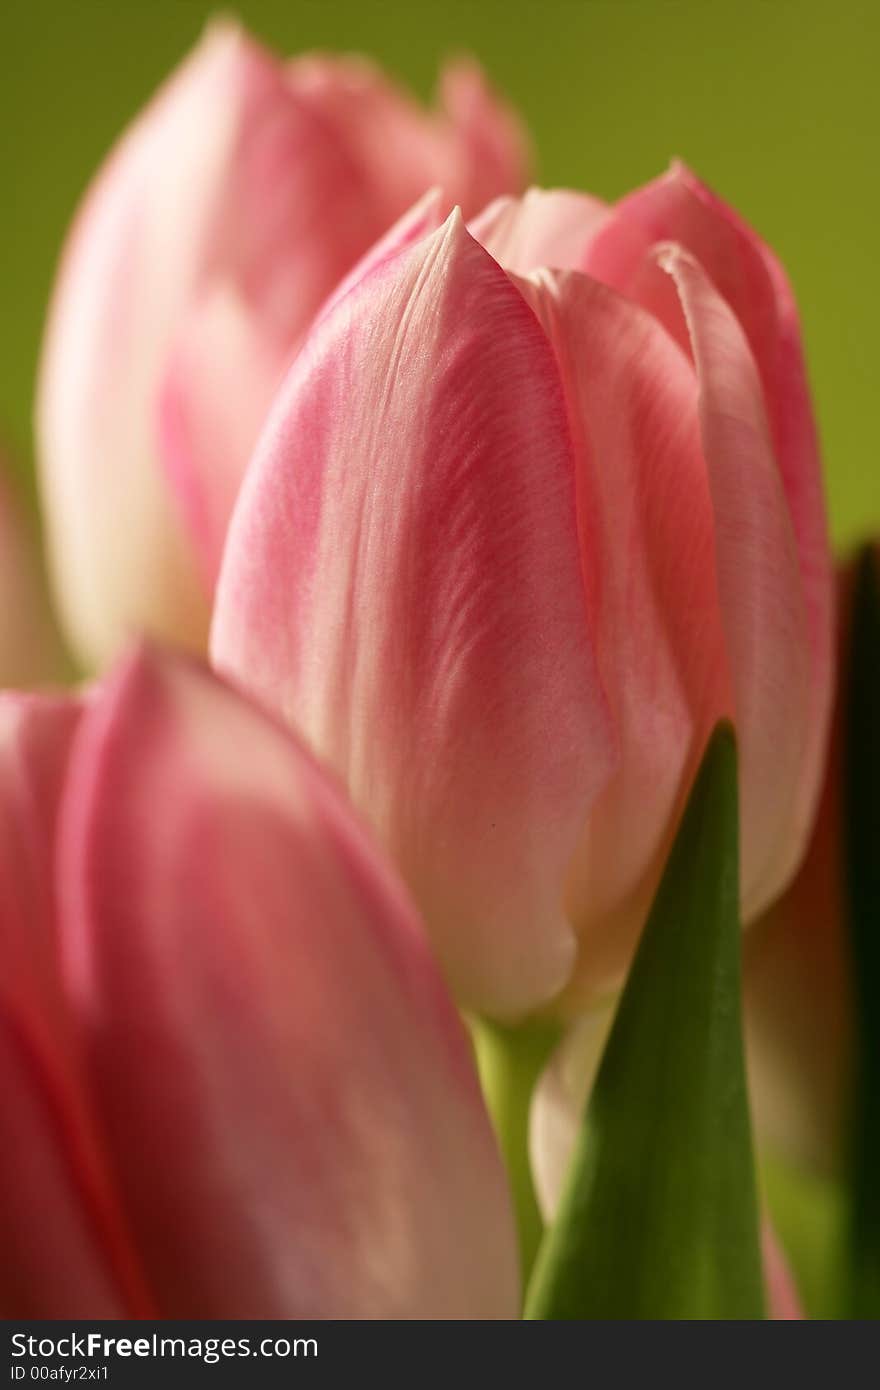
pixel 233 1083
pixel 217 227
pixel 30 653
pixel 512 543
pixel 557 1107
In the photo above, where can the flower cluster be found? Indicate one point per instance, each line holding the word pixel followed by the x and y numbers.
pixel 475 509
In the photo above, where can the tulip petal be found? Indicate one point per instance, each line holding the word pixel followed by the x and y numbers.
pixel 35 736
pixel 284 1084
pixel 647 544
pixel 493 149
pixel 759 587
pixel 221 377
pixel 65 1250
pixel 118 551
pixel 797 967
pixel 402 581
pixel 53 1265
pixel 473 147
pixel 545 228
pixel 225 179
pixel 746 273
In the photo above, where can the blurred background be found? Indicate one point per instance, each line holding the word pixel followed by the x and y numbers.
pixel 774 102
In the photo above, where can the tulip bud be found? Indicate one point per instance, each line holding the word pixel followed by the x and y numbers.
pixel 234 1086
pixel 408 535
pixel 206 244
pixel 30 653
pixel 512 544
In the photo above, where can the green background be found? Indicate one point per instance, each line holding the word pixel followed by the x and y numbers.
pixel 775 102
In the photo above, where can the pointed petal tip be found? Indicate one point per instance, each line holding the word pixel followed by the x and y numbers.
pixel 224 38
pixel 680 172
pixel 677 169
pixel 220 30
pixel 462 80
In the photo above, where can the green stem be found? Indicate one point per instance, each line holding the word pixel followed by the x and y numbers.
pixel 509 1061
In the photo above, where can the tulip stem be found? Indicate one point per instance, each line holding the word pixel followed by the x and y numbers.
pixel 509 1061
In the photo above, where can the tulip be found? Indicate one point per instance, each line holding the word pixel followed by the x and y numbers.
pixel 29 650
pixel 511 543
pixel 204 247
pixel 557 1107
pixel 233 1083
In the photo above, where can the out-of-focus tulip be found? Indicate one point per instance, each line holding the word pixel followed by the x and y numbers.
pixel 557 1107
pixel 30 653
pixel 511 544
pixel 217 227
pixel 233 1084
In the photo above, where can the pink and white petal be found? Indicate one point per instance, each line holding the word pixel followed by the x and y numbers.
pixel 402 581
pixel 226 175
pixel 762 600
pixel 295 212
pixel 284 1084
pixel 119 554
pixel 299 207
pixel 746 273
pixel 389 139
pixel 799 457
pixel 222 374
pixel 544 228
pixel 473 147
pixel 396 147
pixel 647 547
pixel 673 208
pixel 65 1252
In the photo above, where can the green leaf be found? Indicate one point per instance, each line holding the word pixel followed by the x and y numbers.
pixel 861 699
pixel 659 1218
